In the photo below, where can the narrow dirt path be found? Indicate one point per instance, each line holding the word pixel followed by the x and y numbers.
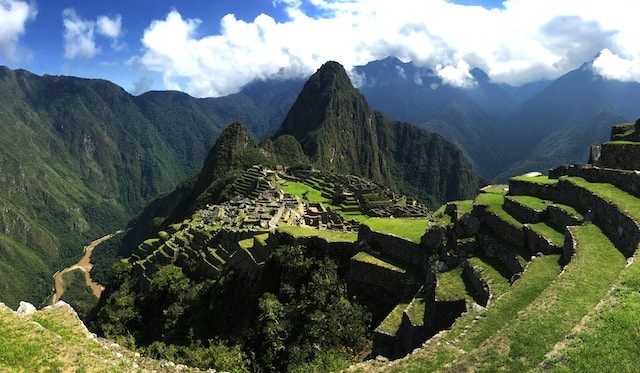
pixel 83 265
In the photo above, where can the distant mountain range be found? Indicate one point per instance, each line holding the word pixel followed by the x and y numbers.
pixel 80 157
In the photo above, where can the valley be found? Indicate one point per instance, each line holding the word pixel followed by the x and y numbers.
pixel 84 265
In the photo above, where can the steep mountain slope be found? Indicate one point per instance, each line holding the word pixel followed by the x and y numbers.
pixel 580 106
pixel 339 132
pixel 77 160
pixel 80 157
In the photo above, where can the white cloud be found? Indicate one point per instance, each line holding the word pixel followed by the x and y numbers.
pixel 79 33
pixel 525 40
pixel 14 16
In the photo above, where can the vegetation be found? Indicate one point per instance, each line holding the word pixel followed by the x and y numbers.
pixel 301 316
pixel 329 235
pixel 451 286
pixel 411 229
pixel 77 293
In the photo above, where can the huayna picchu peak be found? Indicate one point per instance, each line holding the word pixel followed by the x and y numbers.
pixel 340 133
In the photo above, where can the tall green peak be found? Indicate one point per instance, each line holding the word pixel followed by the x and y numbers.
pixel 339 132
pixel 234 148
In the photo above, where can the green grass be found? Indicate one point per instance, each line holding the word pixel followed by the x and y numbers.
pixel 607 340
pixel 370 259
pixel 411 229
pixel 556 238
pixel 304 191
pixel 450 285
pixel 493 203
pixel 465 206
pixel 532 203
pixel 329 235
pixel 569 210
pixel 246 243
pixel 416 309
pixel 626 202
pixel 543 180
pixel 494 273
pixel 621 142
pixel 525 340
pixel 392 322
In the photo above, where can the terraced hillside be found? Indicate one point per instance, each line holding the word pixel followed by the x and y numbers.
pixel 567 243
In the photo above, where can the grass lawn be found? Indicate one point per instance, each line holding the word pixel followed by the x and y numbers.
pixel 392 322
pixel 329 235
pixel 450 286
pixel 493 203
pixel 411 229
pixel 525 340
pixel 607 340
pixel 556 238
pixel 304 191
pixel 532 203
pixel 535 179
pixel 370 259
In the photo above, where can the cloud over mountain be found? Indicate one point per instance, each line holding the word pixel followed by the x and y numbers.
pixel 523 41
pixel 14 16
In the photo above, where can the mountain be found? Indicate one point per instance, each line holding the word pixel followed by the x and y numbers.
pixel 340 133
pixel 578 108
pixel 81 157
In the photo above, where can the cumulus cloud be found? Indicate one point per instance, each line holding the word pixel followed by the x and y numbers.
pixel 14 16
pixel 79 33
pixel 523 41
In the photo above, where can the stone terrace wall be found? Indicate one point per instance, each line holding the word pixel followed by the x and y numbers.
pixel 624 156
pixel 495 249
pixel 341 252
pixel 629 181
pixel 536 243
pixel 378 288
pixel 523 213
pixel 523 188
pixel 393 247
pixel 619 227
pixel 474 276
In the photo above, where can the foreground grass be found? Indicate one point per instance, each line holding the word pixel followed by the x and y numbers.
pixel 451 286
pixel 411 229
pixel 329 235
pixel 523 343
pixel 607 340
pixel 467 334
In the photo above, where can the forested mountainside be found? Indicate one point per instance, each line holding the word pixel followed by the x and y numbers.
pixel 80 157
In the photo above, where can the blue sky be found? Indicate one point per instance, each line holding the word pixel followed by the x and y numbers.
pixel 212 48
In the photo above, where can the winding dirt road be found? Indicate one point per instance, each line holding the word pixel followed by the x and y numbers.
pixel 83 265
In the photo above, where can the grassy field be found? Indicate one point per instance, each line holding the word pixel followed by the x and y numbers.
pixel 556 238
pixel 623 200
pixel 607 340
pixel 370 259
pixel 493 203
pixel 331 236
pixel 468 333
pixel 450 286
pixel 524 341
pixel 411 229
pixel 532 203
pixel 536 180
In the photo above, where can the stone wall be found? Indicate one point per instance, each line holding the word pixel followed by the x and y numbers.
pixel 569 247
pixel 537 243
pixel 626 180
pixel 618 226
pixel 503 229
pixel 341 252
pixel 474 277
pixel 495 249
pixel 393 247
pixel 560 218
pixel 378 288
pixel 524 188
pixel 624 156
pixel 523 213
